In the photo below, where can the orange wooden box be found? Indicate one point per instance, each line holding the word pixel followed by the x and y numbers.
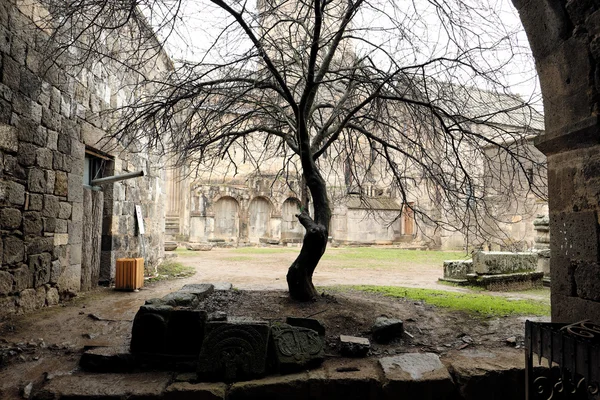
pixel 129 273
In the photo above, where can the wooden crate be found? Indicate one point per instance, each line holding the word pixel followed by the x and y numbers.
pixel 129 273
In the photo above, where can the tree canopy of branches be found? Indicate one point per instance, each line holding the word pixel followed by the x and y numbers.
pixel 398 91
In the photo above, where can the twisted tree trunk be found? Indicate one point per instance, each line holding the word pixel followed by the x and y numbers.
pixel 300 273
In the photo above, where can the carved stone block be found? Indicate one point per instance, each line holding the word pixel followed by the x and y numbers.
pixel 295 348
pixel 233 351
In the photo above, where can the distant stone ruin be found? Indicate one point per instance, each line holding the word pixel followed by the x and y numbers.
pixel 495 270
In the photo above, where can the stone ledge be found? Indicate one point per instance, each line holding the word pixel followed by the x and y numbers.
pixel 494 374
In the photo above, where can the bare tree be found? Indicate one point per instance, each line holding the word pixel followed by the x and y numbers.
pixel 351 90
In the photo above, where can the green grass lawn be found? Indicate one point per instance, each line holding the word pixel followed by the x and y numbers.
pixel 476 303
pixel 346 257
pixel 364 256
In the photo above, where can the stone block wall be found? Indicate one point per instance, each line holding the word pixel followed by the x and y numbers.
pixel 49 117
pixel 565 41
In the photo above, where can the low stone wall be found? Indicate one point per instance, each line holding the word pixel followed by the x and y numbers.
pixel 495 270
pixel 459 375
pixel 500 262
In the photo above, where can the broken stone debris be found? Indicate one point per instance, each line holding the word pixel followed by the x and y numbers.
pixel 352 346
pixel 385 330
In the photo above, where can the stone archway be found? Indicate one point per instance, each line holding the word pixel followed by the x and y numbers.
pixel 291 229
pixel 227 220
pixel 259 219
pixel 565 41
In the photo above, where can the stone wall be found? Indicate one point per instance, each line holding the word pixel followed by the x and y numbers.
pixel 49 118
pixel 565 40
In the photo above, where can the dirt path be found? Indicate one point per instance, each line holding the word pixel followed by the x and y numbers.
pixel 268 271
pixel 37 346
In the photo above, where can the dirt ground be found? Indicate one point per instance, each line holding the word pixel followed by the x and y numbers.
pixel 49 342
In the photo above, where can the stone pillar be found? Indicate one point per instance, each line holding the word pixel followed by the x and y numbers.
pixel 565 41
pixel 541 225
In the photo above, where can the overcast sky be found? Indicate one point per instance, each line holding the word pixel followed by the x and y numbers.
pixel 201 22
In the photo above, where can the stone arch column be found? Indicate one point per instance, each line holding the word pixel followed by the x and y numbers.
pixel 565 41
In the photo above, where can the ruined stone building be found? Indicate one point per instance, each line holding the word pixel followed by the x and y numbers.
pixel 60 235
pixel 236 204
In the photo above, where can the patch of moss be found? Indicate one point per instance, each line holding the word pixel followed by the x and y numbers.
pixel 476 303
pixel 172 270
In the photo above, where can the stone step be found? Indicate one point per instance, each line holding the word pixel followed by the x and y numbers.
pixel 467 374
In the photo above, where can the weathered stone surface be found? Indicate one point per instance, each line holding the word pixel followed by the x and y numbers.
pixel 199 246
pixel 8 139
pixel 65 210
pixel 6 283
pixel 587 280
pixel 222 286
pixel 185 332
pixel 147 385
pixel 296 348
pixel 266 240
pixel 171 246
pixel 458 269
pixel 23 278
pixel 61 184
pixel 290 387
pixel 10 218
pixel 233 351
pixel 107 359
pixel 200 290
pixel 502 282
pixel 499 262
pixel 385 330
pixel 476 371
pixel 195 391
pixel 342 378
pixel 27 154
pixel 41 266
pixel 14 250
pixel 51 206
pixel 40 297
pixel 8 305
pixel 69 282
pixel 217 316
pixel 36 202
pixel 52 297
pixel 27 300
pixel 33 223
pixel 309 323
pixel 149 332
pixel 352 346
pixel 416 376
pixel 15 193
pixel 181 299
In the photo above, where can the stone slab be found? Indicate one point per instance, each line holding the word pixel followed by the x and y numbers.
pixel 289 387
pixel 107 359
pixel 356 378
pixel 501 262
pixel 200 290
pixel 352 346
pixel 233 351
pixel 476 371
pixel 458 269
pixel 385 330
pixel 295 348
pixel 195 391
pixel 199 246
pixel 416 376
pixel 89 385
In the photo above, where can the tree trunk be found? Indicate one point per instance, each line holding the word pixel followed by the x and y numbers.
pixel 300 273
